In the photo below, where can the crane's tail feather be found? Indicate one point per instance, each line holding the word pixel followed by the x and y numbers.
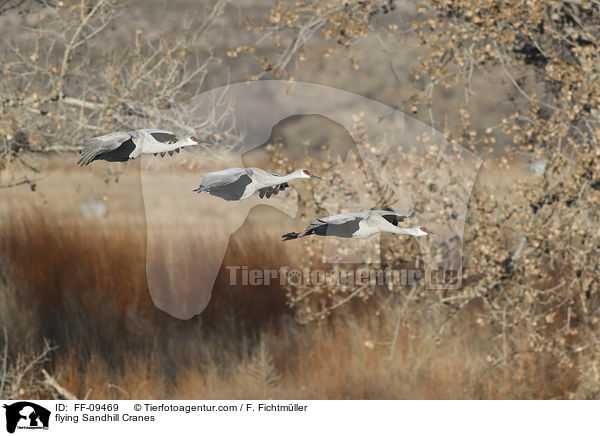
pixel 200 189
pixel 289 236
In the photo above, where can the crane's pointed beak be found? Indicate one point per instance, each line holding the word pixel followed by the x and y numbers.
pixel 315 177
pixel 429 232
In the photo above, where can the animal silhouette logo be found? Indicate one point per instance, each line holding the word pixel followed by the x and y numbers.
pixel 181 268
pixel 26 415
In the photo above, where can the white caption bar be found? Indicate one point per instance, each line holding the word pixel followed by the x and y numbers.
pixel 22 417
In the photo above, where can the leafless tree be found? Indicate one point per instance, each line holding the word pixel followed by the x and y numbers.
pixel 60 83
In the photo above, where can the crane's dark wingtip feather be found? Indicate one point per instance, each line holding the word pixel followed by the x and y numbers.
pixel 84 161
pixel 289 236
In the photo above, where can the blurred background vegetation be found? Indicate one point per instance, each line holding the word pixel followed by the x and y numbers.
pixel 516 82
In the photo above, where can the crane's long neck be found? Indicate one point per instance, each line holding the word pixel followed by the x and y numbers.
pixel 291 176
pixel 276 180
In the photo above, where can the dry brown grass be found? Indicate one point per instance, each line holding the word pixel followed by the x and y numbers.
pixel 83 287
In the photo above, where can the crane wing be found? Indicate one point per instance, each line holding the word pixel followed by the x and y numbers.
pixel 342 225
pixel 229 184
pixel 221 178
pixel 162 136
pixel 392 217
pixel 340 218
pixel 101 144
pixel 151 131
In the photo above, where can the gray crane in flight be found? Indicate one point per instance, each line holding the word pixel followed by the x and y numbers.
pixel 360 225
pixel 124 146
pixel 240 183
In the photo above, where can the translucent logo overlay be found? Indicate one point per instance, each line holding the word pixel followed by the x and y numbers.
pixel 392 161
